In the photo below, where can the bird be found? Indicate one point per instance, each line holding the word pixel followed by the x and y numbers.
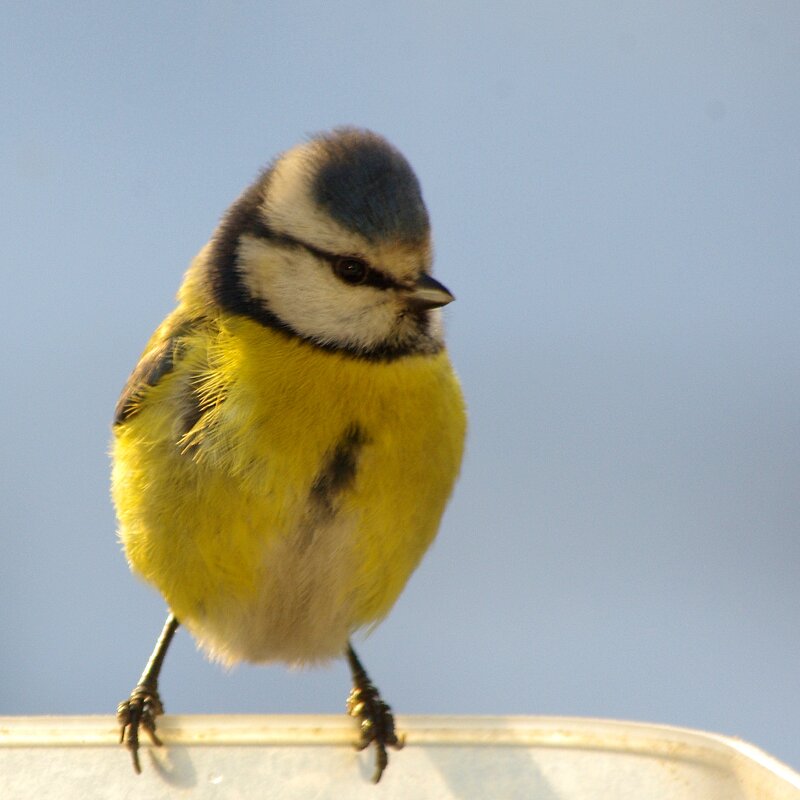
pixel 284 450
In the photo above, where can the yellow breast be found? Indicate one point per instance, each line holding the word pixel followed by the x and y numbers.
pixel 296 508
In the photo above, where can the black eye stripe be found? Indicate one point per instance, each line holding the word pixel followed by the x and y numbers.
pixel 374 277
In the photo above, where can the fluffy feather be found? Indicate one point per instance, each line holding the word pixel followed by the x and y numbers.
pixel 285 449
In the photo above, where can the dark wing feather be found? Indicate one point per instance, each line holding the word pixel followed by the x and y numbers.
pixel 159 358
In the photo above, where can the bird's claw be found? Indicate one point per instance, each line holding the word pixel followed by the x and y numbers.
pixel 139 710
pixel 376 722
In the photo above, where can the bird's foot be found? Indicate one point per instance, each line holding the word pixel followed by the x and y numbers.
pixel 376 722
pixel 139 710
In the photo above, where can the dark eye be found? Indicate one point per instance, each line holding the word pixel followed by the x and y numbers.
pixel 350 270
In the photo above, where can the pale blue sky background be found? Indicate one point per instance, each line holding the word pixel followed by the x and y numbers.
pixel 615 190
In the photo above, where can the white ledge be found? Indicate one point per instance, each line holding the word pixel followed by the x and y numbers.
pixel 553 758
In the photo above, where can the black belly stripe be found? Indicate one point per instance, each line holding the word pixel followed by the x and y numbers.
pixel 338 473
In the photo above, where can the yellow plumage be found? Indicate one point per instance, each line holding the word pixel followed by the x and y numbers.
pixel 284 450
pixel 208 528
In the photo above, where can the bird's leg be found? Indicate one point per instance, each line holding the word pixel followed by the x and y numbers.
pixel 144 704
pixel 375 716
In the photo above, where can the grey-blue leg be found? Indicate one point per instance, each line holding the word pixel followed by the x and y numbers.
pixel 375 717
pixel 144 704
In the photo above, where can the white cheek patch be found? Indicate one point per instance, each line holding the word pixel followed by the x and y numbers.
pixel 305 294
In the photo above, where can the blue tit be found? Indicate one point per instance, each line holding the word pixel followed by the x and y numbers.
pixel 284 449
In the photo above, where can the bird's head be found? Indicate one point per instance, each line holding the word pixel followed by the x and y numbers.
pixel 332 243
